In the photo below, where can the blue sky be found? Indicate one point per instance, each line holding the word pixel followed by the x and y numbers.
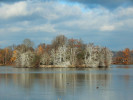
pixel 104 22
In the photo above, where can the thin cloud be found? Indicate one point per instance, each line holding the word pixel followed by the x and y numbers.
pixel 11 10
pixel 107 28
pixel 28 19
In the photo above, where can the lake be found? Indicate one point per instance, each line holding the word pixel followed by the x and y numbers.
pixel 115 83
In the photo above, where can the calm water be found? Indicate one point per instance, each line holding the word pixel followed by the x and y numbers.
pixel 115 83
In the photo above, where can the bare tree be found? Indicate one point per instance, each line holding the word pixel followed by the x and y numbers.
pixel 28 44
pixel 97 56
pixel 60 56
pixel 45 59
pixel 59 41
pixel 91 55
pixel 25 59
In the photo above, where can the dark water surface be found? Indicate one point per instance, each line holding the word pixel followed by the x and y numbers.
pixel 115 83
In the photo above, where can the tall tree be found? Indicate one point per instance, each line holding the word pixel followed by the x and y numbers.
pixel 28 43
pixel 59 40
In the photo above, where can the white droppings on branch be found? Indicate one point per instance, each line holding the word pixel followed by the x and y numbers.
pixel 25 59
pixel 96 56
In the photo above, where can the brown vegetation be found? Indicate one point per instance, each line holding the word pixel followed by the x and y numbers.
pixel 123 57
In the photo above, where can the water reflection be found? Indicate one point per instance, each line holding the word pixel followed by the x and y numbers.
pixel 66 83
pixel 125 66
pixel 59 80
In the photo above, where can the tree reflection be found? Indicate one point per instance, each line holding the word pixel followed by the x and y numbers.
pixel 58 81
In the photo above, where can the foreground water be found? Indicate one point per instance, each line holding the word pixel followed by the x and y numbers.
pixel 115 83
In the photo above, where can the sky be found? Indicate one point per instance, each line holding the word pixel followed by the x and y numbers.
pixel 102 22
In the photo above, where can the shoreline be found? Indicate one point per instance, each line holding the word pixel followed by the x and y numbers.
pixel 61 66
pixel 6 64
pixel 2 65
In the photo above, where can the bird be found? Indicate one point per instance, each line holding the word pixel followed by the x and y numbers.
pixel 67 83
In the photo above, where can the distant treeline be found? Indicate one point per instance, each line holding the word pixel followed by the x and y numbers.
pixel 61 52
pixel 123 57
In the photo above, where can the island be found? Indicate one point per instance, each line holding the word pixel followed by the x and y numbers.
pixel 62 52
